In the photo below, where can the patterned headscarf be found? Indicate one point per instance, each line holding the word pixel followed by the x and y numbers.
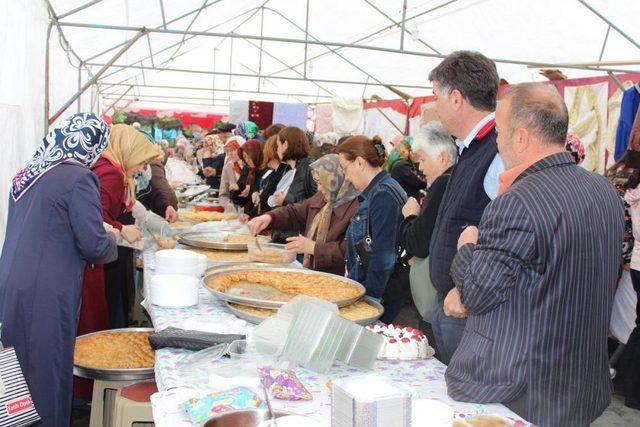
pixel 575 147
pixel 247 130
pixel 128 148
pixel 214 143
pixel 330 176
pixel 80 138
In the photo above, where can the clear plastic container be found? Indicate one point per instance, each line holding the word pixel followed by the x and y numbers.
pixel 270 253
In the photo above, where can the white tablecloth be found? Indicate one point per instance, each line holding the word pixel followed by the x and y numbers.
pixel 425 378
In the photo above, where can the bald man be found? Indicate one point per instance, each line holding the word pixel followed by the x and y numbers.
pixel 536 278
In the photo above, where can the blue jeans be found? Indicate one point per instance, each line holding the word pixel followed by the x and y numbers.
pixel 447 331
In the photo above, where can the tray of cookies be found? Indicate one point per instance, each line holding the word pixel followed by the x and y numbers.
pixel 115 355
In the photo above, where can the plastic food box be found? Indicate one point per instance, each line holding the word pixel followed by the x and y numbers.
pixel 271 253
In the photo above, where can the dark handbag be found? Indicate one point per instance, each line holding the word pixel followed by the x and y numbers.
pixel 398 285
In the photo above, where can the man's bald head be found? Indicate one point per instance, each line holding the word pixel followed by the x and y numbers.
pixel 539 109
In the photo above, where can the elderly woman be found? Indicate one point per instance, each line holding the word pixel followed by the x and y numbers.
pixel 54 228
pixel 323 218
pixel 436 155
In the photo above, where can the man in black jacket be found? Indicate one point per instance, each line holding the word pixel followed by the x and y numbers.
pixel 465 85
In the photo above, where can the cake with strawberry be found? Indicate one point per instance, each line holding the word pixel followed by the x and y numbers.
pixel 401 343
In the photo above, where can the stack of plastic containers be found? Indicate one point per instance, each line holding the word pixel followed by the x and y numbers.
pixel 369 400
pixel 309 332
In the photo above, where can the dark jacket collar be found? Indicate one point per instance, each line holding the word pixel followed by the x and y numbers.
pixel 554 160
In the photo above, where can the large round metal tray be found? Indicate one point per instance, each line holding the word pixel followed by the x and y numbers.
pixel 261 303
pixel 231 265
pixel 106 374
pixel 203 240
pixel 257 319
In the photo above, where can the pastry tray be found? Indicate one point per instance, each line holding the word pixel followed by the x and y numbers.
pixel 203 240
pixel 110 374
pixel 263 303
pixel 228 266
pixel 257 319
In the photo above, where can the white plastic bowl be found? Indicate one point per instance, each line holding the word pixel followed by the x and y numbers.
pixel 174 290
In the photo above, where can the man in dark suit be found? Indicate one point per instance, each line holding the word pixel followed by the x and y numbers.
pixel 536 278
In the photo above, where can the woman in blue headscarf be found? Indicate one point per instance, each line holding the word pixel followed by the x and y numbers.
pixel 54 228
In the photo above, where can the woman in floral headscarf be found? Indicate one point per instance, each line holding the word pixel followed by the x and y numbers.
pixel 322 219
pixel 247 130
pixel 54 228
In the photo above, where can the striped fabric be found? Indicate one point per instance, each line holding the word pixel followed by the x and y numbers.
pixel 16 407
pixel 539 289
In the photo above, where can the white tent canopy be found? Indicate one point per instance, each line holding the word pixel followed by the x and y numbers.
pixel 514 33
pixel 276 50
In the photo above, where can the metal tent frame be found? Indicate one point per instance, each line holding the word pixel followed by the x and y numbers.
pixel 105 88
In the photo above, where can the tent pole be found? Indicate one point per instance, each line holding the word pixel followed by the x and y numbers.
pixel 402 30
pixel 322 43
pixel 236 74
pixel 281 62
pixel 78 9
pixel 604 43
pixel 397 24
pixel 375 33
pixel 164 20
pixel 599 15
pixel 261 34
pixel 617 81
pixel 208 89
pixel 213 75
pixel 79 85
pixel 173 45
pixel 158 27
pixel 150 50
pixel 315 39
pixel 96 76
pixel 306 38
pixel 116 101
pixel 46 78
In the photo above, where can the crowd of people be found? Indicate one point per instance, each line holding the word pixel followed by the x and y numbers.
pixel 509 250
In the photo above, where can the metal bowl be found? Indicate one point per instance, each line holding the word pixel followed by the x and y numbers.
pixel 107 374
pixel 242 418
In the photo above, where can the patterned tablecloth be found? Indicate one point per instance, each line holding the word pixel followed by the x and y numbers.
pixel 425 378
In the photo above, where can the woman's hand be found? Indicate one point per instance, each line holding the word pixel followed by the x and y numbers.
pixel 255 198
pixel 233 187
pixel 170 214
pixel 279 199
pixel 301 245
pixel 131 233
pixel 244 218
pixel 256 225
pixel 116 233
pixel 245 192
pixel 209 171
pixel 412 207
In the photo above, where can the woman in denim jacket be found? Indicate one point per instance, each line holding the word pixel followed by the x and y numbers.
pixel 373 234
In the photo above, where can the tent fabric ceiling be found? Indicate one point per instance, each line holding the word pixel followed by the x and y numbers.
pixel 541 31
